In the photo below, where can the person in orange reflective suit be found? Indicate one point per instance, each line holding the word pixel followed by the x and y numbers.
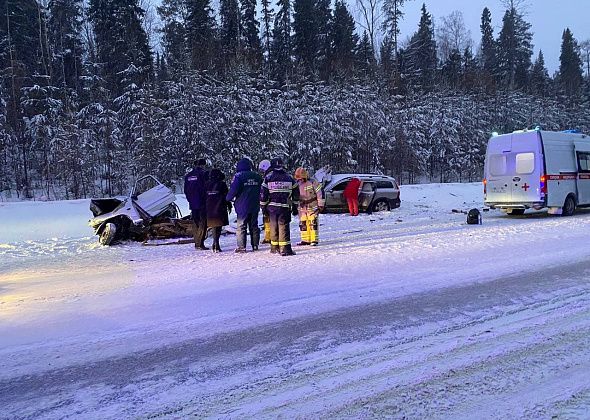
pixel 311 204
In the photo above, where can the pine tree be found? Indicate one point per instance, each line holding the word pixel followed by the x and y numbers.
pixel 121 41
pixel 174 15
pixel 229 32
pixel 23 63
pixel 344 40
pixel 514 50
pixel 267 18
pixel 282 47
pixel 365 57
pixel 420 55
pixel 65 27
pixel 488 44
pixel 305 34
pixel 201 30
pixel 250 35
pixel 452 69
pixel 540 77
pixel 323 22
pixel 393 14
pixel 19 50
pixel 570 67
pixel 388 64
pixel 311 40
pixel 471 70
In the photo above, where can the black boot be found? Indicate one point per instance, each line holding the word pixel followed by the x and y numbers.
pixel 274 249
pixel 287 251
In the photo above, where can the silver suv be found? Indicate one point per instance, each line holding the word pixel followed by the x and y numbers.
pixel 378 193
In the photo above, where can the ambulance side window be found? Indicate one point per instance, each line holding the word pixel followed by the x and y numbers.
pixel 525 163
pixel 498 165
pixel 584 162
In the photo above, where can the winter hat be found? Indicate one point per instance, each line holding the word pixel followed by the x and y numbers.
pixel 216 175
pixel 276 163
pixel 301 173
pixel 264 165
pixel 244 165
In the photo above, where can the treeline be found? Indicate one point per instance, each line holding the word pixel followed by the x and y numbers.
pixel 86 105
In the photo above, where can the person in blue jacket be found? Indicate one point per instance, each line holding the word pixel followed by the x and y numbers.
pixel 196 195
pixel 245 190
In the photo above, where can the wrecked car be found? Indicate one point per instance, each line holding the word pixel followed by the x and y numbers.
pixel 149 212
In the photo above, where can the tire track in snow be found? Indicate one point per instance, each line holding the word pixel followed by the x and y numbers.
pixel 395 367
pixel 319 365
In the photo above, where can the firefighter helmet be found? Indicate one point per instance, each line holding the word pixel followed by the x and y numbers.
pixel 276 163
pixel 301 173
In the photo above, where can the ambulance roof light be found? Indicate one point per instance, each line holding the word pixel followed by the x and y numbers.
pixel 495 134
pixel 538 128
pixel 573 131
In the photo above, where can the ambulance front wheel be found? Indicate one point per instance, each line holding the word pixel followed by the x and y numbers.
pixel 569 206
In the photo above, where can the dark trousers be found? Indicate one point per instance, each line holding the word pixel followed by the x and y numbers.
pixel 216 234
pixel 280 235
pixel 199 217
pixel 248 222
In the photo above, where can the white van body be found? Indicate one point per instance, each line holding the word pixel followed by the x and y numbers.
pixel 537 169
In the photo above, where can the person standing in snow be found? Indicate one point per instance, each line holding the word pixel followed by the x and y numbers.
pixel 245 190
pixel 279 196
pixel 217 207
pixel 351 194
pixel 264 169
pixel 311 204
pixel 196 194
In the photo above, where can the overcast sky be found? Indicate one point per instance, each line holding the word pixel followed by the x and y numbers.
pixel 548 17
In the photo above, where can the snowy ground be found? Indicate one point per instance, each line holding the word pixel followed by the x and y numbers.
pixel 409 314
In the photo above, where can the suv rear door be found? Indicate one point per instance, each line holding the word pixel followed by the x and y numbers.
pixel 367 194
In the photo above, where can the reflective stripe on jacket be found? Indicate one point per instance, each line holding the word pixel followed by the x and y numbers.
pixel 279 191
pixel 311 196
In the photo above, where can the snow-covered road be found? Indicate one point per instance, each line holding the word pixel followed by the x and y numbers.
pixel 408 314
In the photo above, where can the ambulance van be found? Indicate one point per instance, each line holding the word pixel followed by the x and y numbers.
pixel 536 169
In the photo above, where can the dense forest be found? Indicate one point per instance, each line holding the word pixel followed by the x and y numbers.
pixel 94 93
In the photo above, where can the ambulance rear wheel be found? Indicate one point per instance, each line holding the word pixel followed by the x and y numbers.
pixel 515 212
pixel 569 206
